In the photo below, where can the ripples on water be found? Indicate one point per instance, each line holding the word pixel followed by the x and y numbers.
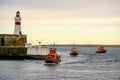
pixel 87 66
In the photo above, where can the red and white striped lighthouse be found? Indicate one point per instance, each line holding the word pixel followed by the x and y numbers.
pixel 17 29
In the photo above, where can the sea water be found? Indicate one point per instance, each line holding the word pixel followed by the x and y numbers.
pixel 88 65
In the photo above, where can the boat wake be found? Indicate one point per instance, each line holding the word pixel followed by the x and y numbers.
pixel 73 60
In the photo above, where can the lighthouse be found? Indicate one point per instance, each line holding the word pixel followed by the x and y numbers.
pixel 17 29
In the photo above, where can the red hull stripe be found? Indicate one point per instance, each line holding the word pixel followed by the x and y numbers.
pixel 17 23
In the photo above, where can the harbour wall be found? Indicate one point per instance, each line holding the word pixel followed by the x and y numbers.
pixel 18 53
pixel 12 47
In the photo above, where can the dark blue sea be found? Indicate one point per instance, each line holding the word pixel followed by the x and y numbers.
pixel 88 65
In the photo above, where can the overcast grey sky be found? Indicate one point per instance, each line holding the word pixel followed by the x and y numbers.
pixel 77 8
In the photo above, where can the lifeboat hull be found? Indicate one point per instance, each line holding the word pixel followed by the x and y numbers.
pixel 73 54
pixel 50 63
pixel 101 51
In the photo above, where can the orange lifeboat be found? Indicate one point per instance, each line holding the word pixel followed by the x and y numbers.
pixel 52 57
pixel 101 50
pixel 74 52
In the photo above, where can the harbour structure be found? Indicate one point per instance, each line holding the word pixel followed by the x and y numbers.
pixel 14 44
pixel 11 44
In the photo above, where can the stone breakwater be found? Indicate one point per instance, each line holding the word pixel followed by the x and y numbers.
pixel 17 53
pixel 27 57
pixel 18 57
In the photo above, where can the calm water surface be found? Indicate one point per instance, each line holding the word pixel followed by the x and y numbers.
pixel 87 66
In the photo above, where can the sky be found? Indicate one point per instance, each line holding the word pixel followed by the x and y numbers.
pixel 64 21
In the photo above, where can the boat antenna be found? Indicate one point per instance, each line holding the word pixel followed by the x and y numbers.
pixel 54 44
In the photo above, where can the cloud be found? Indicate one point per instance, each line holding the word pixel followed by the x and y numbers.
pixel 67 8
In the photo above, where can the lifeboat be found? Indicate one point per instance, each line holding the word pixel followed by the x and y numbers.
pixel 101 50
pixel 52 58
pixel 74 52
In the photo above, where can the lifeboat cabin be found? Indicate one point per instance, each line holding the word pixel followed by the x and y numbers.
pixel 52 58
pixel 74 52
pixel 101 50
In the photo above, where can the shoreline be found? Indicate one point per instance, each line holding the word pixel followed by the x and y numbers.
pixel 83 45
